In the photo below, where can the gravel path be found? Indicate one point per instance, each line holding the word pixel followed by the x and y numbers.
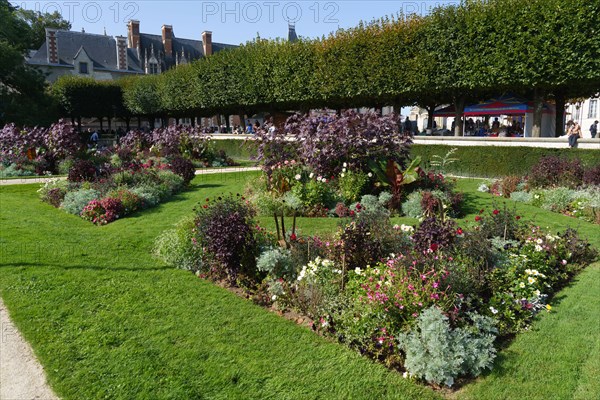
pixel 21 375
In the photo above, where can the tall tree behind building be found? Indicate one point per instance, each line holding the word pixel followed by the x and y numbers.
pixel 38 23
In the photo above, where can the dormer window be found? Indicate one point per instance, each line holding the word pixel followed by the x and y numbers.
pixel 153 68
pixel 83 68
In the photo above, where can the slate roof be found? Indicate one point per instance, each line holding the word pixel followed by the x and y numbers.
pixel 101 49
pixel 193 49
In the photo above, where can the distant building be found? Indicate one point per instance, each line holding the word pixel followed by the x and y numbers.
pixel 158 53
pixel 101 57
pixel 104 57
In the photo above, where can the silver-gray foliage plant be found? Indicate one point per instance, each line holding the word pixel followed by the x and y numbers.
pixel 439 354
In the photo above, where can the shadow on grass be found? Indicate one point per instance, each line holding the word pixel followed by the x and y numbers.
pixel 472 203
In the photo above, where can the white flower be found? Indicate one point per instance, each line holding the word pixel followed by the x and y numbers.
pixel 538 248
pixel 369 174
pixel 537 293
pixel 564 262
pixel 342 175
pixel 274 297
pixel 521 285
pixel 343 169
pixel 324 180
pixel 311 175
pixel 493 310
pixel 406 228
pixel 531 280
pixel 405 374
pixel 357 271
pixel 319 178
pixel 298 177
pixel 539 241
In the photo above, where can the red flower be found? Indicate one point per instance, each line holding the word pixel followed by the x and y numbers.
pixel 434 246
pixel 477 218
pixel 351 213
pixel 496 212
pixel 459 231
pixel 293 237
pixel 358 206
pixel 481 211
pixel 205 206
pixel 518 217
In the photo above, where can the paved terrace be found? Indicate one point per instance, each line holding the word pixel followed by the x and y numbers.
pixel 556 143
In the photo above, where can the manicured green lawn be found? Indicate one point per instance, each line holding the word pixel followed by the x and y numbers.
pixel 559 358
pixel 108 320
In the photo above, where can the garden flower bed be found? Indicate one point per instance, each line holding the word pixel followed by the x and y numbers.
pixel 557 185
pixel 400 295
pixel 432 300
pixel 145 169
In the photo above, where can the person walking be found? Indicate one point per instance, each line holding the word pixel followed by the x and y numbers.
pixel 574 133
pixel 594 129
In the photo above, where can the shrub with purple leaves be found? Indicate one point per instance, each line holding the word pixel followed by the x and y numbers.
pixel 62 140
pixel 183 168
pixel 130 201
pixel 136 140
pixel 591 176
pixel 274 148
pixel 14 141
pixel 82 171
pixel 179 140
pixel 326 143
pixel 434 233
pixel 225 230
pixel 554 171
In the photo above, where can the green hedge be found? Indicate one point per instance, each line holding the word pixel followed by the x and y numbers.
pixel 478 161
pixel 236 148
pixel 495 161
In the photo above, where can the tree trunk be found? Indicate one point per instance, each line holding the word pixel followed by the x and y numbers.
pixel 79 123
pixel 242 116
pixel 430 110
pixel 139 121
pixel 538 107
pixel 560 114
pixel 127 124
pixel 459 106
pixel 109 125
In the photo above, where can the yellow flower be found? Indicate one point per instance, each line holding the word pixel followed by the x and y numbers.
pixel 548 307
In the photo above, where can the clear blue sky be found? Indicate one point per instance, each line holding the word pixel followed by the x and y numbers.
pixel 231 22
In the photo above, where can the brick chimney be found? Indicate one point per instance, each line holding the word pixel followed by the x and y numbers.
pixel 121 52
pixel 207 43
pixel 133 34
pixel 52 45
pixel 167 37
